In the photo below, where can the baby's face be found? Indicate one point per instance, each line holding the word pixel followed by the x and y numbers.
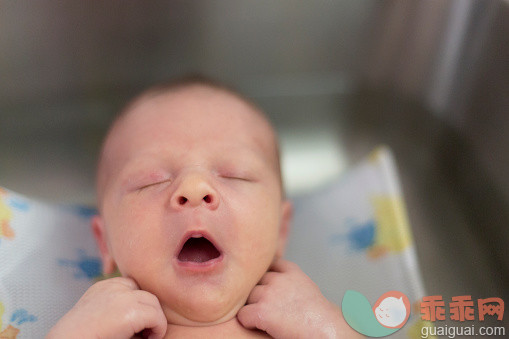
pixel 191 202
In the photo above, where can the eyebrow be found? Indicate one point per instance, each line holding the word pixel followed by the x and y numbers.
pixel 245 155
pixel 136 167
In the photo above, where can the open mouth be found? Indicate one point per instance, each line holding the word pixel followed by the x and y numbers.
pixel 198 250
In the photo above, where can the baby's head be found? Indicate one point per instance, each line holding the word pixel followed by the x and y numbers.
pixel 190 199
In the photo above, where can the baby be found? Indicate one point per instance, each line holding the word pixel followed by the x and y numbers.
pixel 193 215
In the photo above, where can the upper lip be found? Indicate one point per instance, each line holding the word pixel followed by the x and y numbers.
pixel 196 234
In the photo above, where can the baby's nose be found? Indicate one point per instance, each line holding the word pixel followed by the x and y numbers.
pixel 193 191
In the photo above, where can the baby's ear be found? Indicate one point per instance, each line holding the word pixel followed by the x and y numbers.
pixel 284 230
pixel 99 232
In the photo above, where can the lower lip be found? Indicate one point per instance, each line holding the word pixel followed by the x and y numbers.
pixel 200 267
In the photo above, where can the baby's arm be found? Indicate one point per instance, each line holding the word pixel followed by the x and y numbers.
pixel 286 303
pixel 112 308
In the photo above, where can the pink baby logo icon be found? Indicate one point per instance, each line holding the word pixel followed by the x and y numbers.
pixel 388 314
pixel 392 309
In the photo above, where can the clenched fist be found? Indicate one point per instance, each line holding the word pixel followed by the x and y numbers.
pixel 113 308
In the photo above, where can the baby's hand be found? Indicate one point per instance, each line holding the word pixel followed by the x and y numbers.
pixel 112 308
pixel 286 303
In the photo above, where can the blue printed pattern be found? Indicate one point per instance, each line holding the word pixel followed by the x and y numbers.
pixel 360 236
pixel 86 267
pixel 18 317
pixel 21 316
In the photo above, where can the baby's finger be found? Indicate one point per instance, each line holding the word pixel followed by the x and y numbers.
pixel 251 318
pixel 128 282
pixel 268 278
pixel 281 265
pixel 150 317
pixel 148 299
pixel 256 294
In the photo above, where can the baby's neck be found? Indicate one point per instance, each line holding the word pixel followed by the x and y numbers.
pixel 229 329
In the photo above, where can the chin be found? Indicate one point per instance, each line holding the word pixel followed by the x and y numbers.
pixel 201 310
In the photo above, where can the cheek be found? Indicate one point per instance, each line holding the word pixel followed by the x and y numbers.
pixel 134 233
pixel 259 228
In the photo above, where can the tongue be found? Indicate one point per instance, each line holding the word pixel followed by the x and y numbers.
pixel 198 250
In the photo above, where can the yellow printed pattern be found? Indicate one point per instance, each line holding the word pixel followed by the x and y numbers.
pixel 5 218
pixel 9 332
pixel 393 230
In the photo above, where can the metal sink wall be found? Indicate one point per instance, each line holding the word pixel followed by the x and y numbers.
pixel 428 79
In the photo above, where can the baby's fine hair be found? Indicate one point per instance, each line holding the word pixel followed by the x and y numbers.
pixel 186 82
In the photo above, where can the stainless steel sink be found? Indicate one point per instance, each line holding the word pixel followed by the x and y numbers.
pixel 428 79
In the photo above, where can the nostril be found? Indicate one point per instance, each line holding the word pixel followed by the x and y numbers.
pixel 182 200
pixel 207 199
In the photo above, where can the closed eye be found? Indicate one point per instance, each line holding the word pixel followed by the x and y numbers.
pixel 236 178
pixel 153 184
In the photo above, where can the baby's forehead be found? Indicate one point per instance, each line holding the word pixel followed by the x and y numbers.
pixel 190 114
pixel 198 112
pixel 197 102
